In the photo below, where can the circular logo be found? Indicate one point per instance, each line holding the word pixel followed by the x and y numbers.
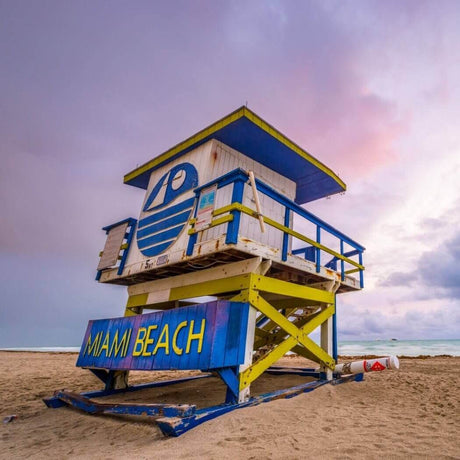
pixel 164 216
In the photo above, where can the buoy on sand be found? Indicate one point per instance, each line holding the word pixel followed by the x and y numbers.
pixel 368 365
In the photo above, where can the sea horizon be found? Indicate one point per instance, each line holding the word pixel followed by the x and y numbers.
pixel 432 347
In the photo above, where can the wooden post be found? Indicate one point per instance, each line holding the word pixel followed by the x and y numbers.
pixel 244 394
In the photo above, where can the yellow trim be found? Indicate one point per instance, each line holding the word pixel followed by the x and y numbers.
pixel 214 223
pixel 288 143
pixel 237 114
pixel 265 337
pixel 285 288
pixel 277 225
pixel 220 286
pixel 243 296
pixel 138 300
pixel 258 368
pixel 200 135
pixel 298 235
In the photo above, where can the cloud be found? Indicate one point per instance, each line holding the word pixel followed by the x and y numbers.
pixel 90 92
pixel 437 274
pixel 439 321
pixel 440 268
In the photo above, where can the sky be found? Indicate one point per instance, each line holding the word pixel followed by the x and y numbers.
pixel 91 89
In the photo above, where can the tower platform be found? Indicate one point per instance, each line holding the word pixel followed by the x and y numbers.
pixel 226 272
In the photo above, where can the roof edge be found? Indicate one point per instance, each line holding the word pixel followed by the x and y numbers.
pixel 235 115
pixel 242 111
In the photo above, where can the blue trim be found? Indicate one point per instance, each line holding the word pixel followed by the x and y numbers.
pixel 287 214
pixel 332 264
pixel 178 219
pixel 239 176
pixel 234 225
pixel 130 220
pixel 309 253
pixel 267 190
pixel 342 262
pixel 262 145
pixel 361 274
pixel 176 419
pixel 54 403
pixel 190 181
pixel 155 250
pixel 168 212
pixel 169 234
pixel 128 236
pixel 129 239
pixel 92 407
pixel 318 251
pixel 226 179
pixel 230 377
pixel 192 238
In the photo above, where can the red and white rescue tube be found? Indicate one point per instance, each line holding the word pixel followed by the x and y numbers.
pixel 368 365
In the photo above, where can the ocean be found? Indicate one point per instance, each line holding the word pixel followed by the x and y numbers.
pixel 346 348
pixel 400 347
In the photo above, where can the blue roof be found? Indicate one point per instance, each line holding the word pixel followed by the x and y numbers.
pixel 246 132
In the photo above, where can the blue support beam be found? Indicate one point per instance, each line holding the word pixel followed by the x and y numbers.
pixel 287 221
pixel 234 225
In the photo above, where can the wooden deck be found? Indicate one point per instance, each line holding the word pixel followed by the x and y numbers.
pixel 215 252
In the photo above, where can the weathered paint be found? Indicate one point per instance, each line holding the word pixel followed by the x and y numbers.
pixel 204 336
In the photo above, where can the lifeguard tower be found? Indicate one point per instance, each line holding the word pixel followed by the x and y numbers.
pixel 226 272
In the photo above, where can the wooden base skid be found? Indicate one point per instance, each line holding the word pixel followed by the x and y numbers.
pixel 176 419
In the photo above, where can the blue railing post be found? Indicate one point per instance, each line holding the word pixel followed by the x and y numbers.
pixel 287 219
pixel 192 238
pixel 233 226
pixel 342 262
pixel 129 237
pixel 318 250
pixel 361 274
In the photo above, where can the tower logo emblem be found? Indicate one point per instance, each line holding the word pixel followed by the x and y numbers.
pixel 164 216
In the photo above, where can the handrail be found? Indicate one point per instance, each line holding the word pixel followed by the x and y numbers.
pixel 237 177
pixel 262 187
pixel 250 212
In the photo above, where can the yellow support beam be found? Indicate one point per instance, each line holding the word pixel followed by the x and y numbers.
pixel 241 297
pixel 214 287
pixel 285 288
pixel 214 223
pixel 138 300
pixel 275 338
pixel 261 365
pixel 290 231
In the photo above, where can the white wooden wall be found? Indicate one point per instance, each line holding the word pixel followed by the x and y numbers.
pixel 214 159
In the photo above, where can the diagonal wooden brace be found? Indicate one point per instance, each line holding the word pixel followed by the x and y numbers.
pixel 297 336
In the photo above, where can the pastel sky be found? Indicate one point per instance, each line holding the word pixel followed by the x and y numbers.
pixel 89 90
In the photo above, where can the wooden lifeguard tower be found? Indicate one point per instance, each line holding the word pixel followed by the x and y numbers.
pixel 226 272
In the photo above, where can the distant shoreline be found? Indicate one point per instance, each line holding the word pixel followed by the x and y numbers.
pixel 341 357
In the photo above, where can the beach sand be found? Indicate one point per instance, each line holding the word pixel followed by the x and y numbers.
pixel 411 413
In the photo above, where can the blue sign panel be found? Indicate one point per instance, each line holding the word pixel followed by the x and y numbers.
pixel 204 336
pixel 158 230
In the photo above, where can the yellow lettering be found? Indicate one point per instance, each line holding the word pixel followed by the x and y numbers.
pixel 176 349
pixel 91 347
pixel 148 341
pixel 125 350
pixel 139 341
pixel 117 346
pixel 105 344
pixel 195 336
pixel 163 343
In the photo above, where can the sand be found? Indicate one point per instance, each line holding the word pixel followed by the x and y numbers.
pixel 412 413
